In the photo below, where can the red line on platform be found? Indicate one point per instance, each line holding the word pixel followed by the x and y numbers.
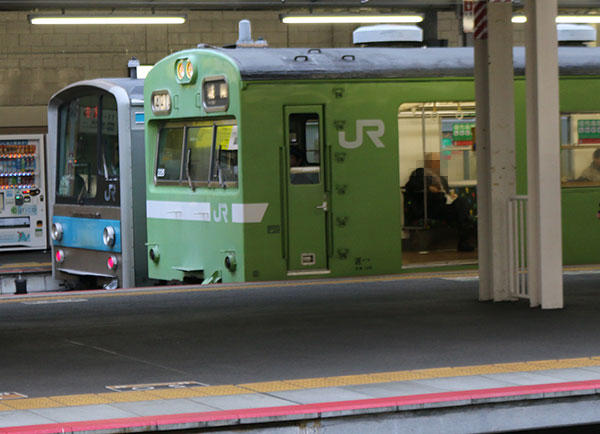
pixel 307 409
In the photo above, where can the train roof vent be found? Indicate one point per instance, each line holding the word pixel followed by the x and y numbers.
pixel 245 37
pixel 575 34
pixel 389 35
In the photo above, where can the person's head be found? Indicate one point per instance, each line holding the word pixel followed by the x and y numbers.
pixel 296 156
pixel 432 161
pixel 596 156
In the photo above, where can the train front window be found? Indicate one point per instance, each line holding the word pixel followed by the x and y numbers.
pixel 225 165
pixel 198 149
pixel 170 144
pixel 110 139
pixel 88 147
pixel 198 154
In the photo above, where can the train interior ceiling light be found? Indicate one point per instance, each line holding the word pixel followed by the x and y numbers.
pixel 106 19
pixel 351 18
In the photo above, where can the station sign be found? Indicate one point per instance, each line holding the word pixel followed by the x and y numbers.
pixel 468 15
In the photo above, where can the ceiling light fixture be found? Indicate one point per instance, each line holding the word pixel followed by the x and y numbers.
pixel 105 19
pixel 351 19
pixel 564 19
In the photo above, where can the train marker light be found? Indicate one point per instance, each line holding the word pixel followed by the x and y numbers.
pixel 154 254
pixel 230 263
pixel 56 233
pixel 109 236
pixel 60 256
pixel 112 263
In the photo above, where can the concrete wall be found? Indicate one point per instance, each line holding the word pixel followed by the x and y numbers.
pixel 37 61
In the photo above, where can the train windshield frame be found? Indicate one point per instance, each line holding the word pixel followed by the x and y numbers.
pixel 88 150
pixel 197 154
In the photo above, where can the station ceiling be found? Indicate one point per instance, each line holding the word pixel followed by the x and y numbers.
pixel 263 4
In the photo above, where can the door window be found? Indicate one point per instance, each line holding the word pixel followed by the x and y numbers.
pixel 304 149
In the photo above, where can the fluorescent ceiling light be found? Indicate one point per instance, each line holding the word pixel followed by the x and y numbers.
pixel 106 19
pixel 355 19
pixel 578 19
pixel 564 19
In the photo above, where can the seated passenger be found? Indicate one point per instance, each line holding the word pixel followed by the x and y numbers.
pixel 592 172
pixel 442 204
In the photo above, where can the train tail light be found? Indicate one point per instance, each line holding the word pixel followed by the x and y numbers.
pixel 112 263
pixel 60 256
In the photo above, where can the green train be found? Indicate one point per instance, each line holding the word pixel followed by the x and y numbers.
pixel 272 164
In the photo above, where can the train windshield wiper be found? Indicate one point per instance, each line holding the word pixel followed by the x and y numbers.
pixel 187 169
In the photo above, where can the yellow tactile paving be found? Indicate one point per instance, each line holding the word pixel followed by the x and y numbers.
pixel 581 362
pixel 313 383
pixel 128 396
pixel 31 403
pixel 220 390
pixel 400 376
pixel 86 399
pixel 270 386
pixel 355 380
pixel 26 264
pixel 478 370
pixel 175 393
pixel 289 385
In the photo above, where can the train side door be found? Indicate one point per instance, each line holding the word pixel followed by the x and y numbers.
pixel 305 186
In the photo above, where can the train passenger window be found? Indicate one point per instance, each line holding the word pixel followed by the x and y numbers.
pixel 170 144
pixel 225 165
pixel 580 150
pixel 304 148
pixel 197 154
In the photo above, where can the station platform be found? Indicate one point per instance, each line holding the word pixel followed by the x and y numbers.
pixel 32 269
pixel 532 394
pixel 470 399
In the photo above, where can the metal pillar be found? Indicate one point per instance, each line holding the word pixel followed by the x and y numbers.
pixel 544 229
pixel 495 135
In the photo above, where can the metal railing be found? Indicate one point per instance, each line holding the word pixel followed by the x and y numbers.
pixel 517 246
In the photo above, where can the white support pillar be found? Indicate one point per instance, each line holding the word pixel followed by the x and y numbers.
pixel 544 228
pixel 495 136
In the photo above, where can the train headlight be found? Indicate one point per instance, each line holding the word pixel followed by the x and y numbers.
pixel 189 69
pixel 60 256
pixel 180 68
pixel 56 233
pixel 112 263
pixel 109 236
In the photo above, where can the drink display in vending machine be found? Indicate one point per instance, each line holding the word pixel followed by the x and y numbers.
pixel 23 224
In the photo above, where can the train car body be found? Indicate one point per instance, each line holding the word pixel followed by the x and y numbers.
pixel 96 178
pixel 228 199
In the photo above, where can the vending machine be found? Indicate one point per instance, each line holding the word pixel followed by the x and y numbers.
pixel 23 221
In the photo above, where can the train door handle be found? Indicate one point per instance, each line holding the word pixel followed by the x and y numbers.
pixel 323 206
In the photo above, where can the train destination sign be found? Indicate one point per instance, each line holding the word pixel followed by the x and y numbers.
pixel 161 102
pixel 215 94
